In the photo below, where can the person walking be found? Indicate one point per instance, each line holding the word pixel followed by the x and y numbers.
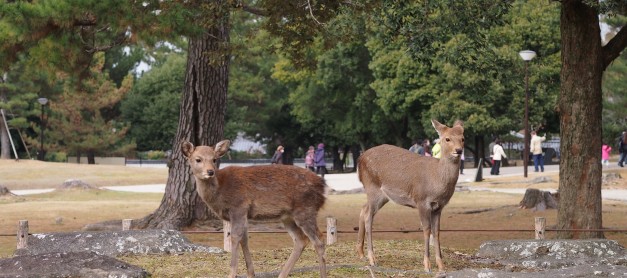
pixel 321 165
pixel 309 159
pixel 277 158
pixel 499 154
pixel 461 163
pixel 605 154
pixel 536 150
pixel 622 149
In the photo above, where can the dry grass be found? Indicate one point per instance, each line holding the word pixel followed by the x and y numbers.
pixel 401 251
pixel 34 174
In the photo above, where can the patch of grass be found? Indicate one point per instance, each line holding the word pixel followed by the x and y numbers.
pixel 396 258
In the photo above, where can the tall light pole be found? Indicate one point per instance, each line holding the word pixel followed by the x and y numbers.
pixel 526 55
pixel 43 101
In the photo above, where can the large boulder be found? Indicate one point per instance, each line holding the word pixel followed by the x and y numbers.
pixel 74 264
pixel 114 243
pixel 551 258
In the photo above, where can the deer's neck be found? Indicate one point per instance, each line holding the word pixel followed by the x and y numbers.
pixel 448 169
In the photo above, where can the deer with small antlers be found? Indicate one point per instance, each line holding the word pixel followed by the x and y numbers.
pixel 289 193
pixel 426 183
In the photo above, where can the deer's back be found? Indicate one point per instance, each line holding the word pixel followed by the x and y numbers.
pixel 401 174
pixel 269 191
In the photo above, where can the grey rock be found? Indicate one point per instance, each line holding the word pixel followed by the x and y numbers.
pixel 114 243
pixel 551 258
pixel 75 264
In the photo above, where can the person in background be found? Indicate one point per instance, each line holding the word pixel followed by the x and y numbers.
pixel 321 165
pixel 498 155
pixel 461 164
pixel 277 158
pixel 435 151
pixel 491 148
pixel 309 159
pixel 605 154
pixel 622 149
pixel 536 150
pixel 417 147
pixel 426 148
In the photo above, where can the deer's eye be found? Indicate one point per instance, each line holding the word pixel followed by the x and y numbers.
pixel 448 139
pixel 215 160
pixel 463 140
pixel 198 160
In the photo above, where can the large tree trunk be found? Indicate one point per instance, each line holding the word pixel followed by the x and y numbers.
pixel 201 121
pixel 580 108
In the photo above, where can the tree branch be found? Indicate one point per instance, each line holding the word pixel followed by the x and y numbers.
pixel 613 48
pixel 249 9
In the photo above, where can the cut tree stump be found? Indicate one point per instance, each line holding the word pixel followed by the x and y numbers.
pixel 539 200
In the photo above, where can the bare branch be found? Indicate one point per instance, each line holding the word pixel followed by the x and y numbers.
pixel 311 13
pixel 249 9
pixel 613 48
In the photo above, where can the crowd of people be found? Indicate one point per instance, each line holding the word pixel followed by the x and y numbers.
pixel 315 161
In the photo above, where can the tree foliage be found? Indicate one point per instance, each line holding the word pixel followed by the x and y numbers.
pixel 77 123
pixel 152 105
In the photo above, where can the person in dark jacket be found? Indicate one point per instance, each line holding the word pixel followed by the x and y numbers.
pixel 321 165
pixel 277 158
pixel 622 149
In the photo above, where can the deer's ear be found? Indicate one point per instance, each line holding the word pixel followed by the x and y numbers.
pixel 187 148
pixel 222 147
pixel 459 123
pixel 438 126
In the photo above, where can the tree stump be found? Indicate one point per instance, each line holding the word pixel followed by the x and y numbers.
pixel 5 191
pixel 539 200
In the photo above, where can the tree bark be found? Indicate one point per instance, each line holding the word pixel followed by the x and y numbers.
pixel 5 152
pixel 201 122
pixel 580 107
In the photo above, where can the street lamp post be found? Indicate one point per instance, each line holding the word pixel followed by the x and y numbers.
pixel 43 101
pixel 526 55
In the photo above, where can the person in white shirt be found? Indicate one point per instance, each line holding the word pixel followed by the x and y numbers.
pixel 536 150
pixel 499 154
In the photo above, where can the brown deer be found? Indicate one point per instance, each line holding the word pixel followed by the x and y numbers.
pixel 289 193
pixel 426 183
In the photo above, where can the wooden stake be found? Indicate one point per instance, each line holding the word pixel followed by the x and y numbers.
pixel 126 224
pixel 540 227
pixel 22 234
pixel 331 230
pixel 226 227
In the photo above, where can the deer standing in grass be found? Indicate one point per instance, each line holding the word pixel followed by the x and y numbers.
pixel 426 183
pixel 289 193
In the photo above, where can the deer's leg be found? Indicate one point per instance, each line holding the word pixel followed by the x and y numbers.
pixel 247 257
pixel 307 223
pixel 238 231
pixel 425 221
pixel 300 242
pixel 435 222
pixel 375 202
pixel 362 230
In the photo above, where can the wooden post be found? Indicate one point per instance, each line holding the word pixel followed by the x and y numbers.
pixel 126 224
pixel 22 234
pixel 331 230
pixel 226 227
pixel 540 226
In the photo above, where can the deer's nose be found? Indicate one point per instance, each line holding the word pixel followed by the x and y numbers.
pixel 211 173
pixel 459 151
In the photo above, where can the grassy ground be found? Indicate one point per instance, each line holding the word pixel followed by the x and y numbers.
pixel 398 252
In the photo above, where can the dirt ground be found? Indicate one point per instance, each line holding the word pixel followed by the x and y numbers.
pixel 468 210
